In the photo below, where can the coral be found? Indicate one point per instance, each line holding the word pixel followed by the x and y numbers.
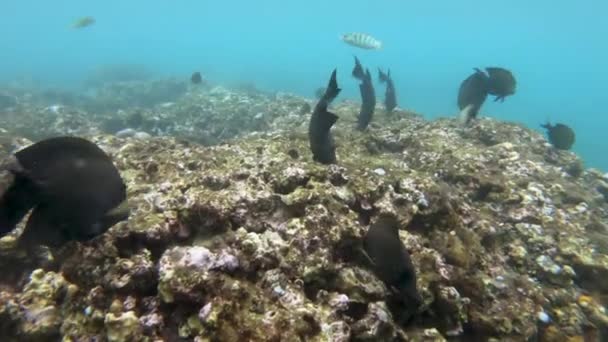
pixel 251 240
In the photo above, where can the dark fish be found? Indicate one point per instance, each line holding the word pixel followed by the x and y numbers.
pixel 391 261
pixel 321 141
pixel 501 83
pixel 73 187
pixel 472 94
pixel 368 95
pixel 560 136
pixel 196 78
pixel 390 97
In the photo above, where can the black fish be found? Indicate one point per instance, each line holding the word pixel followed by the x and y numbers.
pixel 472 94
pixel 390 97
pixel 368 95
pixel 73 187
pixel 196 78
pixel 391 261
pixel 560 136
pixel 321 141
pixel 501 83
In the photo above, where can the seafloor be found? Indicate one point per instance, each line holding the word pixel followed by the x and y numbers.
pixel 237 235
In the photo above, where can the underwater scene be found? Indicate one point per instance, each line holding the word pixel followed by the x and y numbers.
pixel 313 171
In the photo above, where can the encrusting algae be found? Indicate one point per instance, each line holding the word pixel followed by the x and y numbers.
pixel 251 240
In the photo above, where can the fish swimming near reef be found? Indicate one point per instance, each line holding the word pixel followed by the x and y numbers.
pixel 196 78
pixel 368 95
pixel 501 83
pixel 390 97
pixel 73 187
pixel 472 94
pixel 560 136
pixel 361 40
pixel 390 260
pixel 319 130
pixel 83 22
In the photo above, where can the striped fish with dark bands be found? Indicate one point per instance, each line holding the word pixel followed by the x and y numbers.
pixel 361 40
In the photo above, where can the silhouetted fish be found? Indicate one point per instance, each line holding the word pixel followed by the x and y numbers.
pixel 368 95
pixel 390 97
pixel 560 136
pixel 196 78
pixel 471 95
pixel 73 187
pixel 501 83
pixel 391 261
pixel 361 40
pixel 319 134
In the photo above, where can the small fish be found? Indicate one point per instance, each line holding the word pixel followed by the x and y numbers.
pixel 560 136
pixel 361 40
pixel 368 95
pixel 390 96
pixel 73 187
pixel 501 83
pixel 83 22
pixel 196 78
pixel 390 260
pixel 471 95
pixel 319 130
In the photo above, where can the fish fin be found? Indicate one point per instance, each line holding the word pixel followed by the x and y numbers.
pixel 332 90
pixel 329 119
pixel 367 257
pixel 382 77
pixel 466 114
pixel 358 72
pixel 117 214
pixel 40 231
pixel 18 199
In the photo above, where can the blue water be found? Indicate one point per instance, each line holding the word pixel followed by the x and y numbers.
pixel 557 49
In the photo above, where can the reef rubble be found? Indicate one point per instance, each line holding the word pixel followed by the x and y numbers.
pixel 250 240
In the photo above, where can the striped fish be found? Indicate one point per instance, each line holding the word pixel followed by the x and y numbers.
pixel 361 40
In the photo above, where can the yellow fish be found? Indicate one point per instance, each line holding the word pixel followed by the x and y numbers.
pixel 83 22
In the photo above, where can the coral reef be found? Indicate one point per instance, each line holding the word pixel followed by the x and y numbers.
pixel 252 241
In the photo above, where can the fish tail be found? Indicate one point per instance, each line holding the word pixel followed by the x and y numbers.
pixel 15 203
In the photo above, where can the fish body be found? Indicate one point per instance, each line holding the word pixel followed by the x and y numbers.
pixel 361 40
pixel 472 94
pixel 560 136
pixel 73 187
pixel 390 260
pixel 196 78
pixel 84 22
pixel 501 83
pixel 390 96
pixel 319 130
pixel 368 95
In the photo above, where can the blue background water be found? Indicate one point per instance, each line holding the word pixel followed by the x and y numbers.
pixel 557 49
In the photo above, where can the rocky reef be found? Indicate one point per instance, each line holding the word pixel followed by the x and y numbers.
pixel 250 240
